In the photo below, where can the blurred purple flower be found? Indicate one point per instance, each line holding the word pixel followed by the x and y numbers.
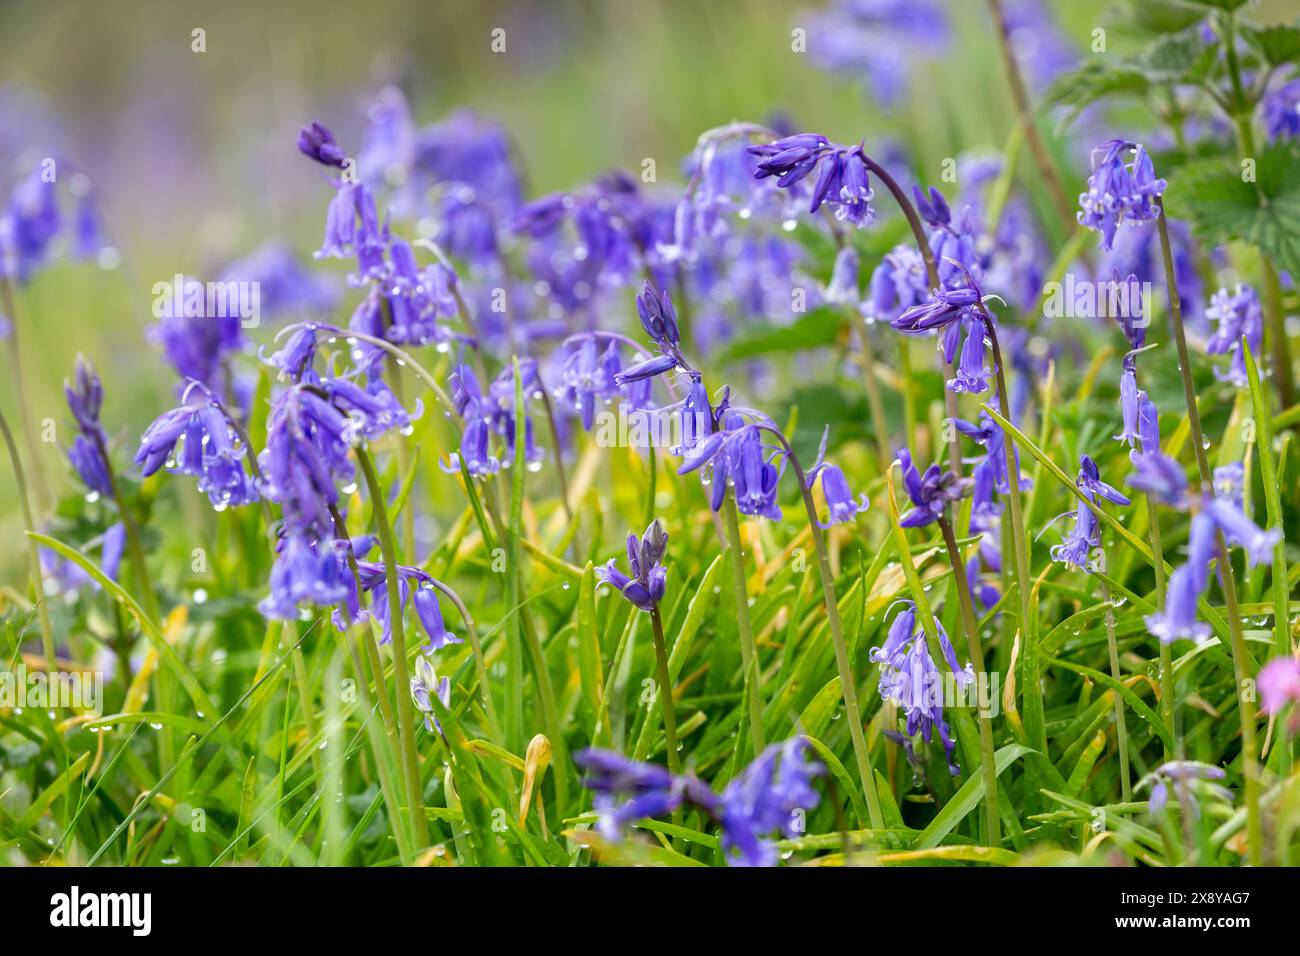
pixel 1238 314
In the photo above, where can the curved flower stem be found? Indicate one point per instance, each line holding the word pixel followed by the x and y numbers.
pixel 976 654
pixel 33 551
pixel 748 652
pixel 843 664
pixel 405 719
pixel 666 693
pixel 401 355
pixel 1240 656
pixel 1064 208
pixel 1121 731
pixel 20 385
pixel 1035 727
pixel 913 220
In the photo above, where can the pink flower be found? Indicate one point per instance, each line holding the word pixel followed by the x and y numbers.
pixel 1279 683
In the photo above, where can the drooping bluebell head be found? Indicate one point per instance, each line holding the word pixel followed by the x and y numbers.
pixel 843 505
pixel 306 453
pixel 1184 778
pixel 306 573
pixel 425 687
pixel 770 796
pixel 910 679
pixel 1123 187
pixel 197 439
pixel 841 182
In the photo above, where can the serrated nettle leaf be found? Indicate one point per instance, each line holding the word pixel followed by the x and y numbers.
pixel 1225 204
pixel 1276 45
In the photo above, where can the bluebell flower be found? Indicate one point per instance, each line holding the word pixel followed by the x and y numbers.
pixel 415 587
pixel 1090 483
pixel 945 309
pixel 85 396
pixel 931 492
pixel 315 141
pixel 738 458
pixel 766 798
pixel 645 587
pixel 1238 314
pixel 88 462
pixel 587 375
pixel 655 310
pixel 629 790
pixel 352 226
pixel 1155 472
pixel 841 183
pixel 910 679
pixel 425 686
pixel 285 285
pixel 898 283
pixel 197 439
pixel 306 572
pixel 1119 189
pixel 295 357
pixel 931 206
pixel 989 435
pixel 1130 399
pixel 306 454
pixel 843 505
pixel 842 289
pixel 1188 582
pixel 64 575
pixel 1182 776
pixel 1243 533
pixel 372 410
pixel 487 413
pixel 972 374
pixel 1282 111
pixel 878 42
pixel 30 223
pixel 1129 309
pixel 1086 535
